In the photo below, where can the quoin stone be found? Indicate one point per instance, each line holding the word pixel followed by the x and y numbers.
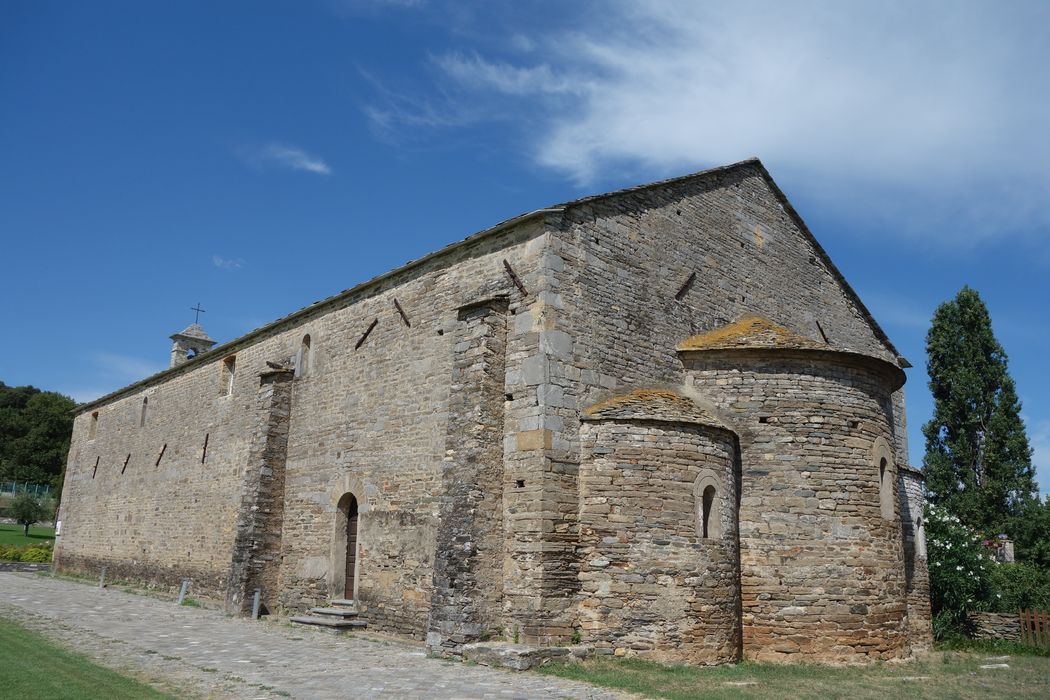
pixel 657 422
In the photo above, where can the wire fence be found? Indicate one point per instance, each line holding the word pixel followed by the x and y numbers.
pixel 16 487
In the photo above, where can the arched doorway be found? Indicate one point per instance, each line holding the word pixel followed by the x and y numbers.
pixel 348 511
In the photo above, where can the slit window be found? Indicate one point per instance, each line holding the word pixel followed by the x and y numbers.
pixel 229 367
pixel 885 490
pixel 882 461
pixel 708 503
pixel 302 365
pixel 93 426
pixel 707 508
pixel 145 408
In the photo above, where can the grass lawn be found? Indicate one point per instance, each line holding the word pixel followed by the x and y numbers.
pixel 939 675
pixel 12 534
pixel 32 667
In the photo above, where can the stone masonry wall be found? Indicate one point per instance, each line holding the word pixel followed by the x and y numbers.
pixel 257 547
pixel 159 507
pixel 651 584
pixel 373 421
pixel 916 571
pixel 368 415
pixel 822 569
pixel 468 570
pixel 629 276
pixel 1005 626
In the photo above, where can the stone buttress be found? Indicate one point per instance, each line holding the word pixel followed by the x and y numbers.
pixel 256 558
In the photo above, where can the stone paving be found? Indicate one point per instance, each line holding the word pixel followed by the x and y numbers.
pixel 196 652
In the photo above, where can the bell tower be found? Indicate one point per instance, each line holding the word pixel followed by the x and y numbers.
pixel 190 342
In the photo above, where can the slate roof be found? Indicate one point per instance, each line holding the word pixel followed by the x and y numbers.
pixel 335 300
pixel 194 330
pixel 750 332
pixel 652 404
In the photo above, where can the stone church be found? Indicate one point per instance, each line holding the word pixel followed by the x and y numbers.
pixel 656 421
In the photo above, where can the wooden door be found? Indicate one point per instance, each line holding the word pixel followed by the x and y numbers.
pixel 351 547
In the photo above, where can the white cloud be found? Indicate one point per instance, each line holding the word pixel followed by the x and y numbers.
pixel 285 156
pixel 934 107
pixel 227 263
pixel 477 73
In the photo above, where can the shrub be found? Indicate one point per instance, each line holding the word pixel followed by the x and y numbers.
pixel 1013 587
pixel 959 568
pixel 31 552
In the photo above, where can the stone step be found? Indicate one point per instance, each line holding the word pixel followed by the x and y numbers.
pixel 335 612
pixel 343 603
pixel 329 623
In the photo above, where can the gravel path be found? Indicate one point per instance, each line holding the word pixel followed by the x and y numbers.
pixel 204 653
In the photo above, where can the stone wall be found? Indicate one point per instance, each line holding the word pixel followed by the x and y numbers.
pixel 367 414
pixel 631 275
pixel 652 584
pixel 159 507
pixel 594 297
pixel 822 568
pixel 916 571
pixel 256 562
pixel 1005 626
pixel 468 571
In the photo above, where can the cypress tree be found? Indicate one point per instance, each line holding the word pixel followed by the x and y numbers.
pixel 978 462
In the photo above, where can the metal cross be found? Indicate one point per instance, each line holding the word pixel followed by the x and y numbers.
pixel 199 311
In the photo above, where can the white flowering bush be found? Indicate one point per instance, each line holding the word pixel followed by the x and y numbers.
pixel 959 569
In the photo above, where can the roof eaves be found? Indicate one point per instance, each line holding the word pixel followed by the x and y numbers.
pixel 317 306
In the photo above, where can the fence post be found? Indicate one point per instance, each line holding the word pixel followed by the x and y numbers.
pixel 182 591
pixel 256 600
pixel 102 578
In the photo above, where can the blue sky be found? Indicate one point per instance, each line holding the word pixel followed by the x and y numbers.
pixel 258 156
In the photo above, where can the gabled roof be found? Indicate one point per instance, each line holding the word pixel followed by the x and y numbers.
pixel 782 199
pixel 503 227
pixel 750 332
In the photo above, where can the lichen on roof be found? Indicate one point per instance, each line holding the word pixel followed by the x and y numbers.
pixel 652 404
pixel 750 331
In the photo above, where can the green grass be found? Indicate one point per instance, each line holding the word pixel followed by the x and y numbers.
pixel 990 647
pixel 12 534
pixel 939 675
pixel 33 667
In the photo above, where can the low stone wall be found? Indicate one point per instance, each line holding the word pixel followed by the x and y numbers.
pixel 1006 626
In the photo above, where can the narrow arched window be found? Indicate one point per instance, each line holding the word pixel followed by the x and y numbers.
pixel 142 415
pixel 709 500
pixel 882 459
pixel 93 426
pixel 229 368
pixel 303 363
pixel 708 505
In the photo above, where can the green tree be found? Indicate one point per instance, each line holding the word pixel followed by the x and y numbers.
pixel 35 427
pixel 27 511
pixel 978 462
